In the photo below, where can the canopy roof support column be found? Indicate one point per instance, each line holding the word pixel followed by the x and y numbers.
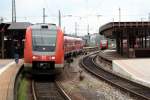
pixel 128 43
pixel 121 42
pixel 2 44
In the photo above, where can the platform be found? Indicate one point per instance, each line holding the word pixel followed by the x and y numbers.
pixel 137 70
pixel 110 54
pixel 8 72
pixel 4 64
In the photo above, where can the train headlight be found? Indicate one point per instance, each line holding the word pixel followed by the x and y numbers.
pixel 53 58
pixel 34 57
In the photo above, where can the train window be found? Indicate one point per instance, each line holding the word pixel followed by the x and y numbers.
pixel 44 26
pixel 52 27
pixel 44 39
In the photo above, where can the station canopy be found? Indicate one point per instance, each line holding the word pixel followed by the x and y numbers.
pixel 109 28
pixel 132 38
pixel 19 25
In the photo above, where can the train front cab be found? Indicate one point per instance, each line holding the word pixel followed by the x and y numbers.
pixel 44 54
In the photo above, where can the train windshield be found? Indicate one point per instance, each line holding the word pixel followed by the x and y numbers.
pixel 44 40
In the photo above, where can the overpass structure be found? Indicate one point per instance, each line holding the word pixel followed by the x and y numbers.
pixel 132 38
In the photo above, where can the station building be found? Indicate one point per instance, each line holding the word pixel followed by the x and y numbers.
pixel 12 34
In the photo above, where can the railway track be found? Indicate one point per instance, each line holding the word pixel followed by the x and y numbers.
pixel 128 86
pixel 48 90
pixel 102 57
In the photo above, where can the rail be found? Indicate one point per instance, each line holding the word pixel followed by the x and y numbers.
pixel 133 88
pixel 48 90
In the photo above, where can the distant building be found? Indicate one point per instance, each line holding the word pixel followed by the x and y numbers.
pixel 1 20
pixel 87 39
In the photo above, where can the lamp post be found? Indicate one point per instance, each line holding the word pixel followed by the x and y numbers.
pixel 59 18
pixel 1 19
pixel 44 15
pixel 13 11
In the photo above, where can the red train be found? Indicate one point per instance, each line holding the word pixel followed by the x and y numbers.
pixel 46 46
pixel 99 41
pixel 104 44
pixel 72 46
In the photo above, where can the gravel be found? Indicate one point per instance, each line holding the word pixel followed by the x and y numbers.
pixel 81 85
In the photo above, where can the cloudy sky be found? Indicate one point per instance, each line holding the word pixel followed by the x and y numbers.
pixel 83 12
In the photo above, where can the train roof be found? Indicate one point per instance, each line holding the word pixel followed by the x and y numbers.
pixel 72 38
pixel 44 26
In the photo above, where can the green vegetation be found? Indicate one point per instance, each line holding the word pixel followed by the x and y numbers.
pixel 23 89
